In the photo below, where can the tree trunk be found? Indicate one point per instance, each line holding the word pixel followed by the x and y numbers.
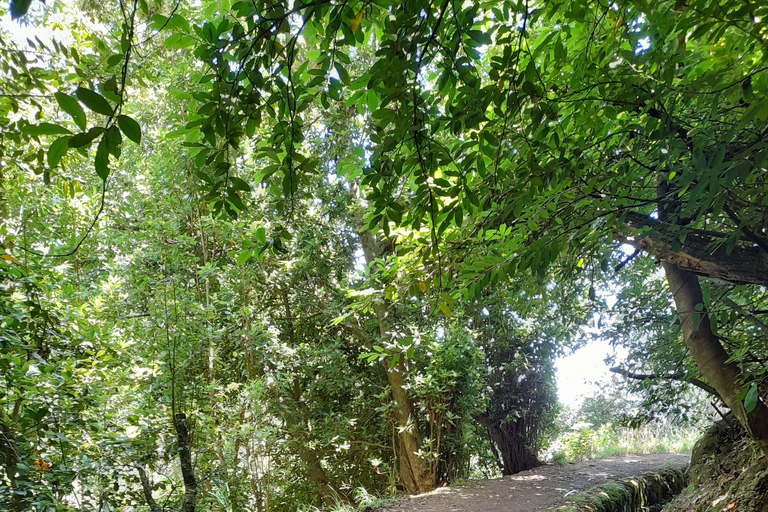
pixel 709 354
pixel 187 468
pixel 146 487
pixel 8 447
pixel 9 450
pixel 417 474
pixel 316 473
pixel 509 443
pixel 328 493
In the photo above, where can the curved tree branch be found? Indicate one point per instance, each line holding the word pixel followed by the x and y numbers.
pixel 678 376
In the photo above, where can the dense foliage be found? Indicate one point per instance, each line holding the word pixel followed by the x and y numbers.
pixel 274 255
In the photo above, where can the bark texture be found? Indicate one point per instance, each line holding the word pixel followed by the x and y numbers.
pixel 703 253
pixel 10 452
pixel 510 444
pixel 709 355
pixel 187 468
pixel 146 488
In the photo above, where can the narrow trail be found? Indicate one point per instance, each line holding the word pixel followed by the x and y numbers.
pixel 534 490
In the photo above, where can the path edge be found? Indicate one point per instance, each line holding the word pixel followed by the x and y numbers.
pixel 648 491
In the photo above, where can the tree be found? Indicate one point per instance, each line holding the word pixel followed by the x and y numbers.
pixel 520 352
pixel 583 109
pixel 462 145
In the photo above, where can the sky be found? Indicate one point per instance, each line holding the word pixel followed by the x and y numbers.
pixel 578 373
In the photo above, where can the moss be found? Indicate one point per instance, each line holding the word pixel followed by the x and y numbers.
pixel 644 493
pixel 728 473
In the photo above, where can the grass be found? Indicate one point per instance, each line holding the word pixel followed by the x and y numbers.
pixel 609 441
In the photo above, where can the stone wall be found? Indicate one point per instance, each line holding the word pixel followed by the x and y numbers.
pixel 644 493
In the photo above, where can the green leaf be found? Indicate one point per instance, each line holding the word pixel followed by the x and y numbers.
pixel 115 59
pixel 238 184
pixel 110 86
pixel 559 50
pixel 179 41
pixel 44 129
pixel 40 414
pixel 334 89
pixel 83 139
pixel 235 201
pixel 343 74
pixel 72 107
pixel 114 140
pixel 94 101
pixel 750 401
pixel 209 135
pixel 101 161
pixel 130 128
pixel 179 22
pixel 19 8
pixel 57 150
pixel 243 257
pixel 372 100
pixel 261 235
pixel 480 37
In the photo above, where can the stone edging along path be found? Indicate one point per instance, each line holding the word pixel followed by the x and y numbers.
pixel 644 493
pixel 540 489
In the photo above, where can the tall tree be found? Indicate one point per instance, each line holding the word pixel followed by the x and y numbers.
pixel 483 140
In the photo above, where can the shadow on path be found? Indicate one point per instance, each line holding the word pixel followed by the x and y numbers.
pixel 536 489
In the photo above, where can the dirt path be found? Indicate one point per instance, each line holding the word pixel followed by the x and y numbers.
pixel 537 489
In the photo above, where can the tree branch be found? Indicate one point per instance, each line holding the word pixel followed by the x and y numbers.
pixel 747 316
pixel 703 253
pixel 747 231
pixel 678 376
pixel 147 488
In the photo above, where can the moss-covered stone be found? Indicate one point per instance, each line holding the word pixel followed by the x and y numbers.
pixel 645 493
pixel 717 440
pixel 728 474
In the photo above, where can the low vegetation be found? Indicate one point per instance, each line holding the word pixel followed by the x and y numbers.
pixel 614 422
pixel 585 442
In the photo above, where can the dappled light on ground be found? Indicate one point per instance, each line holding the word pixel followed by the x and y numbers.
pixel 527 478
pixel 535 490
